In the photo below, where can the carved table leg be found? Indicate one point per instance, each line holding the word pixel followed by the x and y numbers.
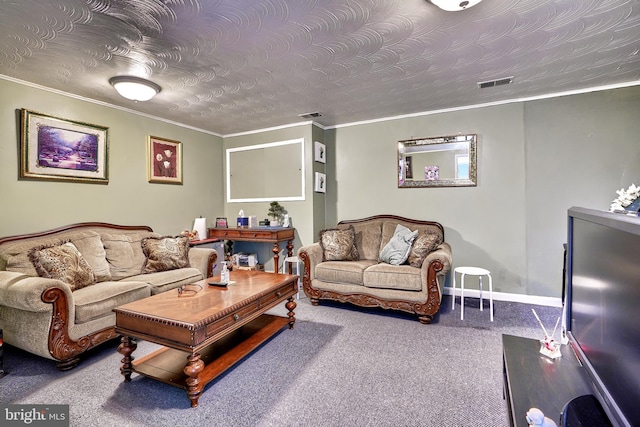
pixel 425 319
pixel 290 254
pixel 291 305
pixel 126 347
pixel 192 370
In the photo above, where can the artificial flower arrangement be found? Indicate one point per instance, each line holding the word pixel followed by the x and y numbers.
pixel 625 198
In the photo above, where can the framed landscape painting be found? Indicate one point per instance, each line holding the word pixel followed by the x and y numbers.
pixel 52 148
pixel 164 163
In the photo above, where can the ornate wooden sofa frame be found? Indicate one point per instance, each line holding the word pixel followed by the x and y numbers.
pixel 22 312
pixel 410 289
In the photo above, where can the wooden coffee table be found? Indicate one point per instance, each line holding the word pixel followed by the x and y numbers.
pixel 215 327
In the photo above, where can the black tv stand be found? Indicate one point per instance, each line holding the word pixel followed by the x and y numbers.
pixel 532 380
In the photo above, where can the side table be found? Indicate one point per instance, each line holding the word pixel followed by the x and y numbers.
pixel 471 271
pixel 273 235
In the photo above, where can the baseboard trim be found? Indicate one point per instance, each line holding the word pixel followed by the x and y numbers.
pixel 504 296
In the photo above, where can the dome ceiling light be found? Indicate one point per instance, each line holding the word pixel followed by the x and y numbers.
pixel 135 88
pixel 454 5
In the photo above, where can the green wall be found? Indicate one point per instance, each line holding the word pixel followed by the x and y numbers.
pixel 579 150
pixel 30 206
pixel 475 218
pixel 535 160
pixel 301 212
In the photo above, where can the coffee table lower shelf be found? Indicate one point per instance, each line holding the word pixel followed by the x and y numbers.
pixel 167 364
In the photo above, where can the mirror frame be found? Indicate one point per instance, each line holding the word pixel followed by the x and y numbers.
pixel 300 167
pixel 447 182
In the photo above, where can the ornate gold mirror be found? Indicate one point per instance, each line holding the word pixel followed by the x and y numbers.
pixel 443 161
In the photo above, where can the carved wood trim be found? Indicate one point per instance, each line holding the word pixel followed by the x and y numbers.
pixel 395 218
pixel 213 258
pixel 424 310
pixel 72 227
pixel 61 346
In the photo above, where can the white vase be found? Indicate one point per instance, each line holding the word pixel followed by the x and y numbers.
pixel 274 223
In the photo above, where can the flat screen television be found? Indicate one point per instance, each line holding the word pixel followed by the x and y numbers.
pixel 603 307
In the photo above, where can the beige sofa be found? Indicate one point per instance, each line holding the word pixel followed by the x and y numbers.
pixel 362 279
pixel 56 299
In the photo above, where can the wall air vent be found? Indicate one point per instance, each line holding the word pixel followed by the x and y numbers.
pixel 309 115
pixel 498 82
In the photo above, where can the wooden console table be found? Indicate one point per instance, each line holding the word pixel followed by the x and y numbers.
pixel 273 235
pixel 532 380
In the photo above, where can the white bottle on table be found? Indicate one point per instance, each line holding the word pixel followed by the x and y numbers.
pixel 224 274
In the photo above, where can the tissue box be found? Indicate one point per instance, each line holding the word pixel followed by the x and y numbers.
pixel 243 221
pixel 245 260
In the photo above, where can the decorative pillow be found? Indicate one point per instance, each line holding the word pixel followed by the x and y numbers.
pixel 165 253
pixel 424 244
pixel 62 262
pixel 397 250
pixel 338 244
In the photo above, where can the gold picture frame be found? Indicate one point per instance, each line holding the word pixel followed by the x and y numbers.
pixel 52 148
pixel 164 160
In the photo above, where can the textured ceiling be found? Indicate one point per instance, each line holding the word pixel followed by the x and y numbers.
pixel 230 66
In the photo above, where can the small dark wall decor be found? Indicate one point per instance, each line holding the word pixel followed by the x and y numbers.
pixel 319 152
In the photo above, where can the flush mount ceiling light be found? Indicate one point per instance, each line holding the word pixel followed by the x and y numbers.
pixel 135 88
pixel 454 5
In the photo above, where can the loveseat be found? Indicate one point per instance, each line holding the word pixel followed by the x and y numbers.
pixel 58 287
pixel 361 262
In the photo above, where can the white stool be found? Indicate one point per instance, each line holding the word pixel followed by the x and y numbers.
pixel 472 271
pixel 293 260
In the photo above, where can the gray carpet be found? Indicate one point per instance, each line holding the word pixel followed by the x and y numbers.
pixel 340 366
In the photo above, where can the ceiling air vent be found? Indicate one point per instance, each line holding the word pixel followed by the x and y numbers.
pixel 498 82
pixel 309 115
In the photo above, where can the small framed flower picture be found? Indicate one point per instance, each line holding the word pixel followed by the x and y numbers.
pixel 164 163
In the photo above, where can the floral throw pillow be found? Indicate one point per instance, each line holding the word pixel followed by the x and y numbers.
pixel 63 262
pixel 424 244
pixel 165 253
pixel 338 244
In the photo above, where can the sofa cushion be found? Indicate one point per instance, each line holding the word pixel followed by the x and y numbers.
pixel 387 276
pixel 396 251
pixel 100 299
pixel 90 246
pixel 14 257
pixel 338 244
pixel 165 253
pixel 424 244
pixel 166 280
pixel 342 271
pixel 15 254
pixel 368 235
pixel 62 262
pixel 124 253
